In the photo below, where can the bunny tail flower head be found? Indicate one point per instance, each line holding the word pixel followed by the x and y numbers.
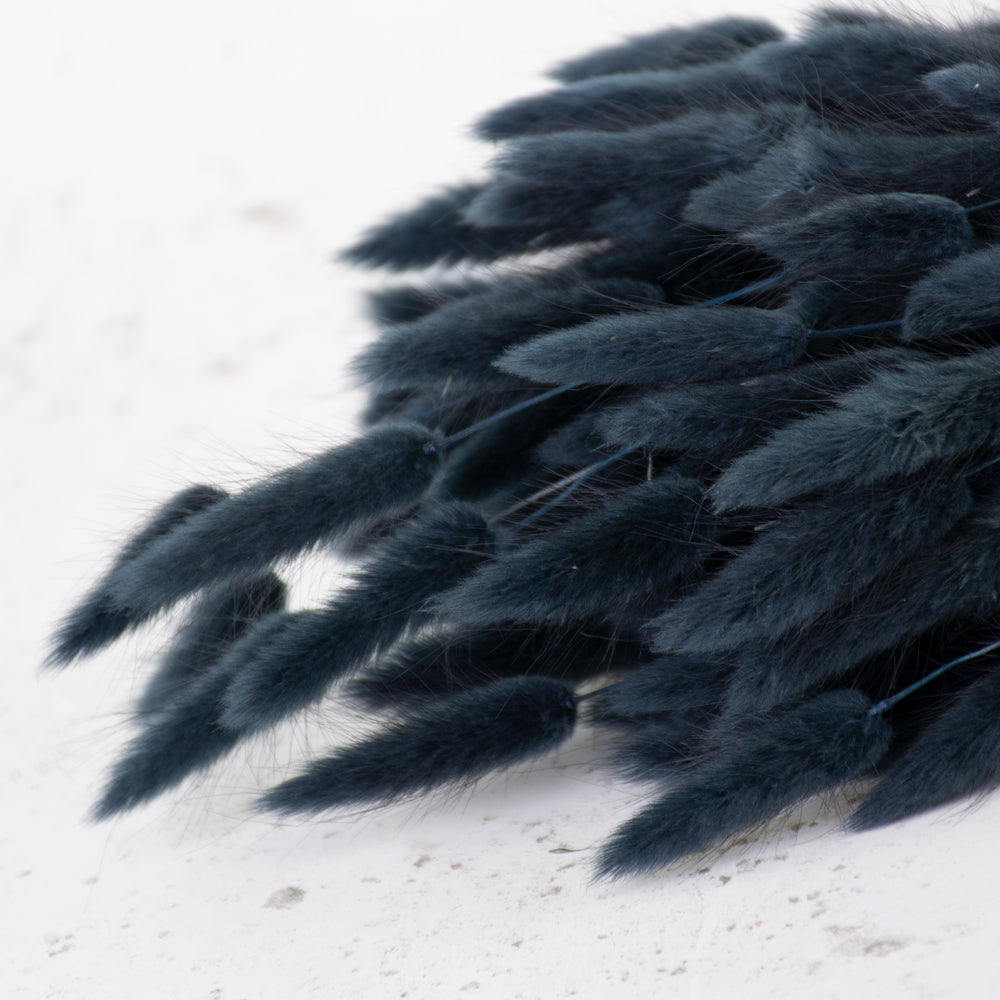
pixel 719 476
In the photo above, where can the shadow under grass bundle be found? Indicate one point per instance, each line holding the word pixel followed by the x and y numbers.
pixel 724 480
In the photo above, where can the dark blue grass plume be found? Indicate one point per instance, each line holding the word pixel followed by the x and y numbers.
pixel 719 476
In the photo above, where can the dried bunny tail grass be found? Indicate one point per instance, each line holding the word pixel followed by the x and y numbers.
pixel 723 480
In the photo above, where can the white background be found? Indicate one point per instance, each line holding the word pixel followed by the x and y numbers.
pixel 173 181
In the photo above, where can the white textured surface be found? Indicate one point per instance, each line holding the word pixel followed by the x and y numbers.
pixel 173 179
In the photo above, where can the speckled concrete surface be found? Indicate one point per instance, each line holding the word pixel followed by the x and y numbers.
pixel 174 178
